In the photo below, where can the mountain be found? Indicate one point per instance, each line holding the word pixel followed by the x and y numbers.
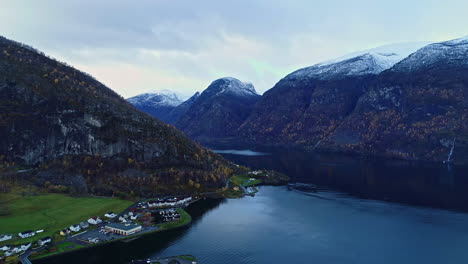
pixel 219 110
pixel 158 104
pixel 415 110
pixel 308 104
pixel 65 131
pixel 176 113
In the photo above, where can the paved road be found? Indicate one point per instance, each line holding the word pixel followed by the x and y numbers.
pixel 24 258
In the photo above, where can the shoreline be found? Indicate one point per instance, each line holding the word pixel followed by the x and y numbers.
pixel 122 239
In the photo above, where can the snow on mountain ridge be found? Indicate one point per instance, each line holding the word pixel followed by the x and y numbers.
pixel 163 98
pixel 234 86
pixel 372 61
pixel 452 52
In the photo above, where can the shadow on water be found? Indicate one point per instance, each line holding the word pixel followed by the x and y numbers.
pixel 416 183
pixel 141 248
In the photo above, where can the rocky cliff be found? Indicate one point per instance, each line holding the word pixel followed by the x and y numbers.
pixel 415 110
pixel 65 125
pixel 309 104
pixel 219 110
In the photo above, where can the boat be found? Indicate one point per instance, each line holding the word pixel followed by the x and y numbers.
pixel 306 187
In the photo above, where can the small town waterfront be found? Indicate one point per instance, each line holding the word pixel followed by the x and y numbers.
pixel 366 211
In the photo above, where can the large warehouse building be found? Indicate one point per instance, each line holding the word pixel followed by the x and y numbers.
pixel 123 229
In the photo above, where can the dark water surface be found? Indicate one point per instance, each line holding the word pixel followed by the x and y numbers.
pixel 367 211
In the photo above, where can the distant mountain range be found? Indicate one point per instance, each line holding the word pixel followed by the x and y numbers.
pixel 404 101
pixel 158 104
pixel 410 105
pixel 68 132
pixel 215 113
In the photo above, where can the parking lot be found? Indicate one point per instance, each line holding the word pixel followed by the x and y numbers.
pixel 99 235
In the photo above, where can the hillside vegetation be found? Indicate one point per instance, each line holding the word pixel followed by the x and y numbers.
pixel 77 135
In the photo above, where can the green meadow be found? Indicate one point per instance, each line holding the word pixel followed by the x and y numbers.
pixel 51 212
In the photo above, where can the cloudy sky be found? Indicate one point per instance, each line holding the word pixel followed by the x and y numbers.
pixel 136 46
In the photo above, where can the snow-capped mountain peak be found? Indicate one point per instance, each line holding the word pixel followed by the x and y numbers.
pixel 453 52
pixel 372 61
pixel 161 98
pixel 230 85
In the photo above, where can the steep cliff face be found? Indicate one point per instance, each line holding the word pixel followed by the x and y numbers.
pixel 58 119
pixel 415 110
pixel 219 110
pixel 309 104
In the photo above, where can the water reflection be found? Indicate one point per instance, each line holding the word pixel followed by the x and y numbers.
pixel 246 152
pixel 418 183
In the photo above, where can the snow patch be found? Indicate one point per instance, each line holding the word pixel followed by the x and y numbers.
pixel 452 52
pixel 234 86
pixel 372 61
pixel 162 98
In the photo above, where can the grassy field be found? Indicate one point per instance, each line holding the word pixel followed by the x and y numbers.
pixel 51 212
pixel 244 180
pixel 185 218
pixel 60 248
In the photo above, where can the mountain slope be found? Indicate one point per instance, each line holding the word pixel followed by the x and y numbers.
pixel 176 113
pixel 308 104
pixel 416 110
pixel 158 104
pixel 75 132
pixel 219 110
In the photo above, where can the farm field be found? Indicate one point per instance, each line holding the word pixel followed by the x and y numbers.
pixel 51 212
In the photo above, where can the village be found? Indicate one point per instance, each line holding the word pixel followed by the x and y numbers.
pixel 140 218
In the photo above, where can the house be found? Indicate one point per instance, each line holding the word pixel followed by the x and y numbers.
pixel 135 216
pixel 44 240
pixel 26 234
pixel 26 246
pixel 65 232
pixel 5 237
pixel 110 215
pixel 75 228
pixel 9 253
pixel 94 220
pixel 84 224
pixel 123 229
pixel 169 201
pixel 5 247
pixel 16 249
pixel 122 219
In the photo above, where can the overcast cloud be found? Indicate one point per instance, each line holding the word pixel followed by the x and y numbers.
pixel 135 46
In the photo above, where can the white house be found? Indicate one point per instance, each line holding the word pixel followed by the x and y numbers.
pixel 5 247
pixel 75 228
pixel 167 202
pixel 110 215
pixel 25 247
pixel 135 216
pixel 122 219
pixel 9 253
pixel 94 220
pixel 16 249
pixel 26 234
pixel 5 237
pixel 44 241
pixel 84 224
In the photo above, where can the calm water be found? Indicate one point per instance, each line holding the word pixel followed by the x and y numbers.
pixel 367 211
